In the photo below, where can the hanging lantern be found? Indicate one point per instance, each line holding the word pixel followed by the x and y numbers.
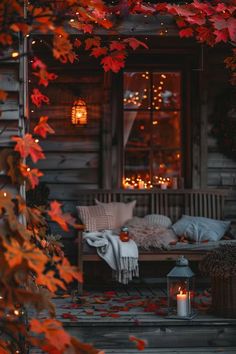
pixel 79 114
pixel 180 287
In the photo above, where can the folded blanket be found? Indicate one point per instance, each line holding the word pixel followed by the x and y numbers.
pixel 122 257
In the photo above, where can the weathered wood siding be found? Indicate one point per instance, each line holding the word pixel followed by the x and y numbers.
pixel 221 170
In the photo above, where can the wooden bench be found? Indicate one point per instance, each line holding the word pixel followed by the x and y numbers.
pixel 172 203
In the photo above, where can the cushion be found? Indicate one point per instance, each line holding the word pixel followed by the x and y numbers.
pixel 96 217
pixel 148 236
pixel 122 211
pixel 157 219
pixel 199 229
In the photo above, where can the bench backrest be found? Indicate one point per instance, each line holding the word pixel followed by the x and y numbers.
pixel 172 203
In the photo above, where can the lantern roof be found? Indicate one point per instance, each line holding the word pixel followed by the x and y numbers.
pixel 181 270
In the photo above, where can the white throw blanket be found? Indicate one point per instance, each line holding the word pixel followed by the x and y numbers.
pixel 122 257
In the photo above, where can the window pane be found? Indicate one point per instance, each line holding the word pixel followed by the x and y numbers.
pixel 166 90
pixel 136 90
pixel 166 130
pixel 137 164
pixel 166 164
pixel 137 129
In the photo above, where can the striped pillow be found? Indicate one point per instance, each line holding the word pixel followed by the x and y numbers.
pixel 158 219
pixel 96 217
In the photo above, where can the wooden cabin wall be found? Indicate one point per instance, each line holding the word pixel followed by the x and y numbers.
pixel 221 170
pixel 11 82
pixel 73 153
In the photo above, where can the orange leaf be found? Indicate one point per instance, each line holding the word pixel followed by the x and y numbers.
pixel 62 219
pixel 53 332
pixel 42 128
pixel 50 281
pixel 31 174
pixel 134 43
pixel 68 272
pixel 28 146
pixel 140 343
pixel 37 98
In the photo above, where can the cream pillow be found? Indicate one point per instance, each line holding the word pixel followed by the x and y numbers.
pixel 159 220
pixel 122 211
pixel 96 217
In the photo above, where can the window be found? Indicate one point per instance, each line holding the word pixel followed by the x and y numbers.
pixel 152 126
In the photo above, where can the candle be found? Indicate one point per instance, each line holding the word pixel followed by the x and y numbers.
pixel 182 304
pixel 141 184
pixel 164 185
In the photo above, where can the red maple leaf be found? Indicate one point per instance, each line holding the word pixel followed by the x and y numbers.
pixel 57 215
pixel 28 146
pixel 98 51
pixel 113 62
pixel 161 7
pixel 45 77
pixel 140 343
pixel 42 128
pixel 38 64
pixel 186 32
pixel 115 45
pixel 92 42
pixel 221 36
pixel 31 174
pixel 205 34
pixel 134 43
pixel 37 98
pixel 77 43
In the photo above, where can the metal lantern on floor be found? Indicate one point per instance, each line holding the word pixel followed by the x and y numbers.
pixel 79 114
pixel 180 288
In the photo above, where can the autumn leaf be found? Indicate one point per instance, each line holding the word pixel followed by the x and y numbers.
pixel 50 281
pixel 186 32
pixel 38 64
pixel 31 174
pixel 3 96
pixel 77 43
pixel 115 45
pixel 62 219
pixel 134 43
pixel 52 330
pixel 68 273
pixel 38 98
pixel 98 51
pixel 17 253
pixel 140 343
pixel 114 62
pixel 45 77
pixel 28 146
pixel 42 128
pixel 92 42
pixel 63 49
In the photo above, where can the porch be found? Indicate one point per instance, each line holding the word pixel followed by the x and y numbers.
pixel 109 316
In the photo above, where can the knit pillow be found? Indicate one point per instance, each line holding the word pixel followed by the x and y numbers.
pixel 96 217
pixel 122 211
pixel 157 219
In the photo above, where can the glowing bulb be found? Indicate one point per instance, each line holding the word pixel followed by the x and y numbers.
pixel 16 312
pixel 33 42
pixel 15 54
pixel 72 20
pixel 163 76
pixel 36 140
pixel 28 169
pixel 4 194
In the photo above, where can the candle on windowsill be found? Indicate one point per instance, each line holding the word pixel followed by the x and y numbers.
pixel 182 304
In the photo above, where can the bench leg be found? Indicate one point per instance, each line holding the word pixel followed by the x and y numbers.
pixel 80 260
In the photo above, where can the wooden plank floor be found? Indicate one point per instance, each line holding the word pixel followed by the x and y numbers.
pixel 107 318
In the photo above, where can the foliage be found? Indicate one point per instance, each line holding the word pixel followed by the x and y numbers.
pixel 220 262
pixel 32 265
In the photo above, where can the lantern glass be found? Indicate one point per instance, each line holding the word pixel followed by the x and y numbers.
pixel 79 113
pixel 180 288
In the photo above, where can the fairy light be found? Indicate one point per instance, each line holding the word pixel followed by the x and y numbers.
pixel 33 42
pixel 15 54
pixel 16 312
pixel 28 169
pixel 37 141
pixel 5 194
